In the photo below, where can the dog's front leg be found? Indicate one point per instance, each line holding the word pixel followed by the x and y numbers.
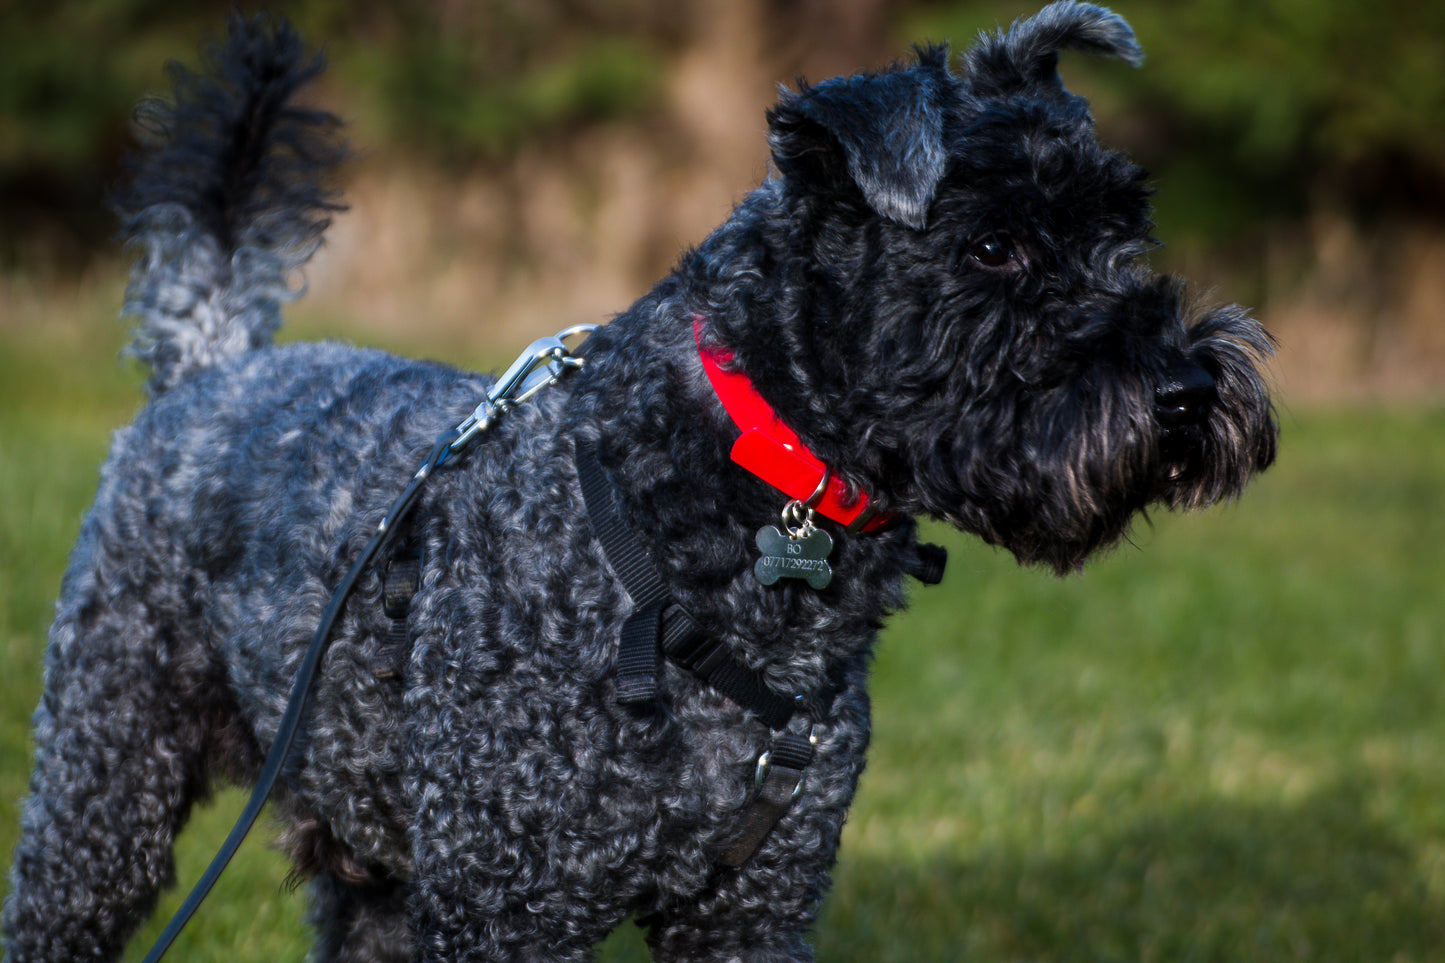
pixel 487 896
pixel 764 910
pixel 759 913
pixel 507 864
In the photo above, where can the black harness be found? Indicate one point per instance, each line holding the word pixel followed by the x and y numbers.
pixel 658 628
pixel 398 589
pixel 661 628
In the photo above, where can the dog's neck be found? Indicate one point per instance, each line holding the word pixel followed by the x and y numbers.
pixel 663 439
pixel 773 452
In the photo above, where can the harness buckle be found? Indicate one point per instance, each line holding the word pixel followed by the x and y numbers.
pixel 800 758
pixel 778 782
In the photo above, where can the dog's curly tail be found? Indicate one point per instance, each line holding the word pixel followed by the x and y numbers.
pixel 230 195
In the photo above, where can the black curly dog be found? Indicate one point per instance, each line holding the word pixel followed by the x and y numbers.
pixel 940 293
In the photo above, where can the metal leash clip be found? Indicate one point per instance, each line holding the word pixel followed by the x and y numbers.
pixel 542 364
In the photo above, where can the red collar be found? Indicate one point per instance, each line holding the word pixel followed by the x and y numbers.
pixel 774 452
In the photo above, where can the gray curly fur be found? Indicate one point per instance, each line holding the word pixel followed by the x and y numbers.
pixel 939 291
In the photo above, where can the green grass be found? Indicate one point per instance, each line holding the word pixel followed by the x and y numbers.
pixel 1224 745
pixel 1224 742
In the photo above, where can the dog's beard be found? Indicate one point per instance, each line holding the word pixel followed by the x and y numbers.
pixel 1055 474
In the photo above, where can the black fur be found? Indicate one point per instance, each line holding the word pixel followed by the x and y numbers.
pixel 941 291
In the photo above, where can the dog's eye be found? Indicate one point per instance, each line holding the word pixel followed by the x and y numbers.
pixel 993 250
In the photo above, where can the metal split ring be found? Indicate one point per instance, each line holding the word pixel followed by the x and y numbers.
pixel 798 515
pixel 817 496
pixel 797 519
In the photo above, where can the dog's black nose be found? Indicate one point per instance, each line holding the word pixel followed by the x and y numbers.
pixel 1184 393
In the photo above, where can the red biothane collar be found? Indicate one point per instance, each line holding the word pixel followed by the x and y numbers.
pixel 774 452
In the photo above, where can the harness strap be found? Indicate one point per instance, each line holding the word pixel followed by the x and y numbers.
pixel 639 658
pixel 780 778
pixel 398 587
pixel 687 645
pixel 658 626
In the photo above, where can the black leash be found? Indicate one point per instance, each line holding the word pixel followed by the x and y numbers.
pixel 542 364
pixel 290 722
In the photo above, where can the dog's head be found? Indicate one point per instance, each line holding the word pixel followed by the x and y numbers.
pixel 963 323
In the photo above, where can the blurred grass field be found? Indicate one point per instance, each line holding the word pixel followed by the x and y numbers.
pixel 1221 743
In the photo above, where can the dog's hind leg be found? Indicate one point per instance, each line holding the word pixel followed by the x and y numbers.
pixel 120 751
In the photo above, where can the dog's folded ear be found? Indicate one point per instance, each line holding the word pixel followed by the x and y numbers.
pixel 1028 53
pixel 881 132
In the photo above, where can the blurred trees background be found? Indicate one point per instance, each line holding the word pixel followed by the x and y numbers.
pixel 526 164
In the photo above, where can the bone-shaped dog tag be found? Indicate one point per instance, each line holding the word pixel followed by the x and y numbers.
pixel 804 556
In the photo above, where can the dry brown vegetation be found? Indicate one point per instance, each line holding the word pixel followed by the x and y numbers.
pixel 574 223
